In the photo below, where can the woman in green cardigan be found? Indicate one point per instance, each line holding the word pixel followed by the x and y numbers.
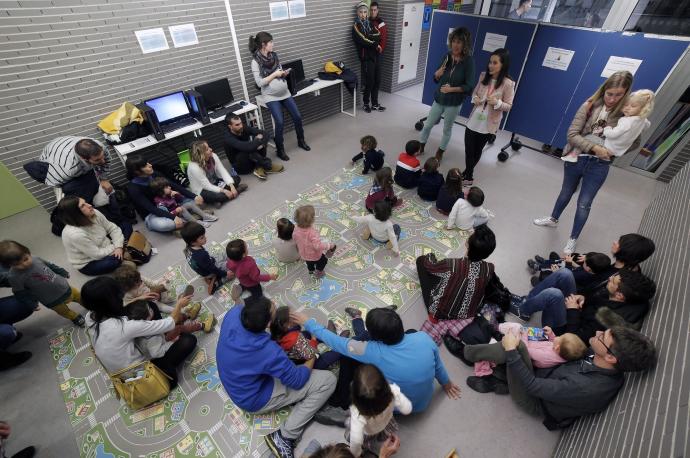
pixel 455 78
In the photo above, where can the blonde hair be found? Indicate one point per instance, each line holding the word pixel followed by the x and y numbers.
pixel 572 347
pixel 646 98
pixel 304 216
pixel 622 79
pixel 197 153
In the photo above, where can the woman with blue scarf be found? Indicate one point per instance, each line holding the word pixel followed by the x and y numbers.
pixel 269 76
pixel 367 39
pixel 140 174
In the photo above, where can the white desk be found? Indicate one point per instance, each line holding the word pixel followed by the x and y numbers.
pixel 140 143
pixel 315 88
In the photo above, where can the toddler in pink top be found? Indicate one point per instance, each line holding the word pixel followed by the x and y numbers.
pixel 543 353
pixel 309 243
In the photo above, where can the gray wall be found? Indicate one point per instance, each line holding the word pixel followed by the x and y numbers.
pixel 65 64
pixel 649 418
pixel 68 63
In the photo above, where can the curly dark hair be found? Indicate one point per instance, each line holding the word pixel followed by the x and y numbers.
pixel 462 34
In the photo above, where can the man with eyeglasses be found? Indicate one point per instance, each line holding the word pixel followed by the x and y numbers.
pixel 562 394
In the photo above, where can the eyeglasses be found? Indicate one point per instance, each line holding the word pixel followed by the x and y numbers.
pixel 600 338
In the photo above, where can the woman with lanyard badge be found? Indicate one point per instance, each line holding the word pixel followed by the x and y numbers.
pixel 592 166
pixel 455 78
pixel 269 76
pixel 491 97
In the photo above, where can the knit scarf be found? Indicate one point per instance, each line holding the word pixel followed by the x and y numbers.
pixel 365 26
pixel 267 64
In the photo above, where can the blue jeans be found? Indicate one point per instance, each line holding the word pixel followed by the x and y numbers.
pixel 101 266
pixel 549 298
pixel 592 171
pixel 12 311
pixel 449 114
pixel 159 223
pixel 276 109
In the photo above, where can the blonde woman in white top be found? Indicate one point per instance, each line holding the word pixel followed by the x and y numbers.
pixel 209 178
pixel 94 245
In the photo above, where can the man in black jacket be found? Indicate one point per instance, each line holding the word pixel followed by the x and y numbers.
pixel 577 388
pixel 245 147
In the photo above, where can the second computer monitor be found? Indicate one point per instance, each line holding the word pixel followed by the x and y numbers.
pixel 169 108
pixel 216 94
pixel 297 70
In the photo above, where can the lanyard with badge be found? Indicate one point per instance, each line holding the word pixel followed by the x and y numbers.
pixel 482 114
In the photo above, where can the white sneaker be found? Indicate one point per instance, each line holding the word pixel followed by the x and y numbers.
pixel 204 223
pixel 546 221
pixel 570 246
pixel 210 218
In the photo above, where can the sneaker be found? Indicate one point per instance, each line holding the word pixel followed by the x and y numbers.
pixel 553 256
pixel 467 183
pixel 546 221
pixel 367 108
pixel 276 168
pixel 539 260
pixel 485 384
pixel 192 310
pixel 319 274
pixel 330 415
pixel 9 360
pixel 331 251
pixel 534 281
pixel 209 323
pixel 378 107
pixel 79 321
pixel 209 218
pixel 280 446
pixel 188 291
pixel 515 303
pixel 236 293
pixel 260 173
pixel 353 312
pixel 570 246
pixel 205 224
pixel 533 266
pixel 389 245
pixel 366 234
pixel 241 188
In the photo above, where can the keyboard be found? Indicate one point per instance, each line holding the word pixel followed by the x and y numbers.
pixel 225 110
pixel 167 128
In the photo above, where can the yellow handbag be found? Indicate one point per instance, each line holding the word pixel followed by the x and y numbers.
pixel 140 384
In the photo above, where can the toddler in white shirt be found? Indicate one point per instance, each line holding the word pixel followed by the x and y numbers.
pixel 371 413
pixel 469 213
pixel 620 138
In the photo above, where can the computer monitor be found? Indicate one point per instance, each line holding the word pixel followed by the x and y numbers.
pixel 297 70
pixel 216 94
pixel 169 108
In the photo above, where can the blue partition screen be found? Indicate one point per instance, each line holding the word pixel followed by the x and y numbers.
pixel 518 42
pixel 441 23
pixel 545 93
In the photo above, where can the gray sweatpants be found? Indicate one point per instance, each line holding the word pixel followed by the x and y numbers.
pixel 305 401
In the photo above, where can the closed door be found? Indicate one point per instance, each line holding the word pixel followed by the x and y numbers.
pixel 411 38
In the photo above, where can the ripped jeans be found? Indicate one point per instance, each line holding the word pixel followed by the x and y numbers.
pixel 593 172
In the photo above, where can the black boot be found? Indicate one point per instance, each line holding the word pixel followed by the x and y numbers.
pixel 456 348
pixel 302 144
pixel 9 360
pixel 280 152
pixel 27 452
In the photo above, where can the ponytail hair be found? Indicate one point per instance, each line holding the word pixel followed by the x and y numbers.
pixel 257 41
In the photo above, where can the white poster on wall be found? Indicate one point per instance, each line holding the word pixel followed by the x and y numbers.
pixel 152 40
pixel 183 35
pixel 297 9
pixel 494 41
pixel 558 58
pixel 279 11
pixel 617 64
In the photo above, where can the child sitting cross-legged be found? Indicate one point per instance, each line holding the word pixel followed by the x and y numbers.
pixel 371 419
pixel 430 182
pixel 201 262
pixel 299 345
pixel 380 227
pixel 450 192
pixel 155 346
pixel 34 280
pixel 285 245
pixel 373 158
pixel 469 213
pixel 245 269
pixel 382 189
pixel 137 287
pixel 408 169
